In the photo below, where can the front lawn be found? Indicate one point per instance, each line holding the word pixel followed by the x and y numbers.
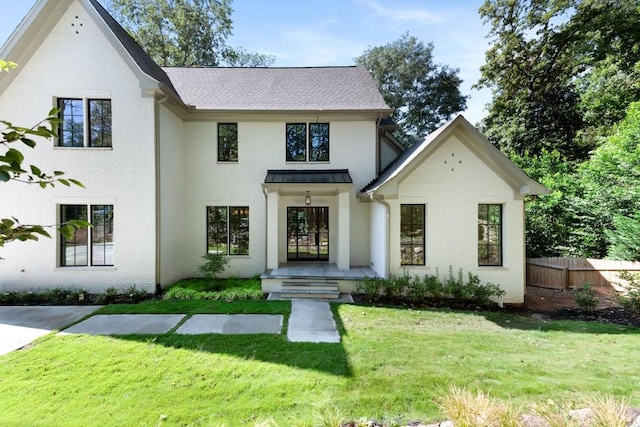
pixel 391 365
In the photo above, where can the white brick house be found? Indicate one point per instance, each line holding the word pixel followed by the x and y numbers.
pixel 270 166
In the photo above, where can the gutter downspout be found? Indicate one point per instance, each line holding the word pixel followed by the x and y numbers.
pixel 266 228
pixel 387 231
pixel 158 198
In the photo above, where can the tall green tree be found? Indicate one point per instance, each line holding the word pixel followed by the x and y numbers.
pixel 423 94
pixel 550 67
pixel 185 33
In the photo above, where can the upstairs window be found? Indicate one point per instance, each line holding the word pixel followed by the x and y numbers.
pixel 85 122
pixel 489 234
pixel 311 147
pixel 227 142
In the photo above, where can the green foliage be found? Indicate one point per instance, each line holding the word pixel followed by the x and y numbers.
pixel 421 290
pixel 578 217
pixel 561 72
pixel 185 33
pixel 212 265
pixel 423 94
pixel 624 239
pixel 586 298
pixel 630 300
pixel 6 65
pixel 61 296
pixel 231 289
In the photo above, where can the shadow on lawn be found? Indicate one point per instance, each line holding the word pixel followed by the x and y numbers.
pixel 328 358
pixel 544 323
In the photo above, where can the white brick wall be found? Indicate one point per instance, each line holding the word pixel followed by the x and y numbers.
pixel 83 65
pixel 261 146
pixel 451 183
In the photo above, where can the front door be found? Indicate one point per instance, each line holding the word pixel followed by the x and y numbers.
pixel 308 233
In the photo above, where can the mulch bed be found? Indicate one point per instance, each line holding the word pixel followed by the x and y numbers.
pixel 559 304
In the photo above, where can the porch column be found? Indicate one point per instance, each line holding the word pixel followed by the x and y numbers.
pixel 344 230
pixel 273 200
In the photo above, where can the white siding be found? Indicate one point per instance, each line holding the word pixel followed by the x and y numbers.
pixel 172 198
pixel 451 183
pixel 83 65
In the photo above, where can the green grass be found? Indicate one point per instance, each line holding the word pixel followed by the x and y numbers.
pixel 229 289
pixel 391 365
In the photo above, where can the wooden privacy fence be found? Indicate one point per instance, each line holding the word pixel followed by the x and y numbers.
pixel 569 273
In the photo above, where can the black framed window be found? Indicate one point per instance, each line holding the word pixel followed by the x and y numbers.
pixel 412 228
pixel 489 234
pixel 84 122
pixel 99 123
pixel 313 147
pixel 296 142
pixel 71 128
pixel 227 142
pixel 228 230
pixel 88 246
pixel 318 142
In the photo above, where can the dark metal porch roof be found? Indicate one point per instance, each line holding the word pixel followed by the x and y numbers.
pixel 329 176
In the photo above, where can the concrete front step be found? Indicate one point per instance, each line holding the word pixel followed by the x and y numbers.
pixel 310 293
pixel 315 290
pixel 304 286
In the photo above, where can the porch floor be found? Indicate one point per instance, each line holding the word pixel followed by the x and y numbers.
pixel 317 270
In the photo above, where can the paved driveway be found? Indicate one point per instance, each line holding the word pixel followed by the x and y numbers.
pixel 21 325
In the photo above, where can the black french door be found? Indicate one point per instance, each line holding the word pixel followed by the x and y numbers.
pixel 308 233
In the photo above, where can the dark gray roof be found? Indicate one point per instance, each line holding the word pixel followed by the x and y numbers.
pixel 278 89
pixel 329 176
pixel 144 61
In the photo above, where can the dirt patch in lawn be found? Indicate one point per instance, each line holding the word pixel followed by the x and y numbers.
pixel 560 304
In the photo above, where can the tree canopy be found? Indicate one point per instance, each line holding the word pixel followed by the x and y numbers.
pixel 423 94
pixel 562 72
pixel 185 33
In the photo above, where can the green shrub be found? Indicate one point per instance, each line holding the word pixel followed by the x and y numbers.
pixel 232 289
pixel 420 290
pixel 586 298
pixel 212 265
pixel 372 288
pixel 109 296
pixel 630 300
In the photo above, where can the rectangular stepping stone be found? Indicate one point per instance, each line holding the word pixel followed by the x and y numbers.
pixel 126 324
pixel 312 321
pixel 232 324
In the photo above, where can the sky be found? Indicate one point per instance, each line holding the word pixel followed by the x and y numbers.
pixel 333 32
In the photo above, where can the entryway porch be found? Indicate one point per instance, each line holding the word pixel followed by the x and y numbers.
pixel 313 280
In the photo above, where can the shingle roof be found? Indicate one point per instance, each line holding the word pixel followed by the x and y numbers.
pixel 329 176
pixel 144 61
pixel 278 89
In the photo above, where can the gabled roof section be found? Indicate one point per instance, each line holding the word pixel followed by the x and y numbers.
pixel 279 89
pixel 44 15
pixel 138 54
pixel 487 152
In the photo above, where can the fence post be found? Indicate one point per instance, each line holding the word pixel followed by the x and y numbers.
pixel 566 278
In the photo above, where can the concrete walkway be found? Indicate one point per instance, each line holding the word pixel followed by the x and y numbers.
pixel 310 321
